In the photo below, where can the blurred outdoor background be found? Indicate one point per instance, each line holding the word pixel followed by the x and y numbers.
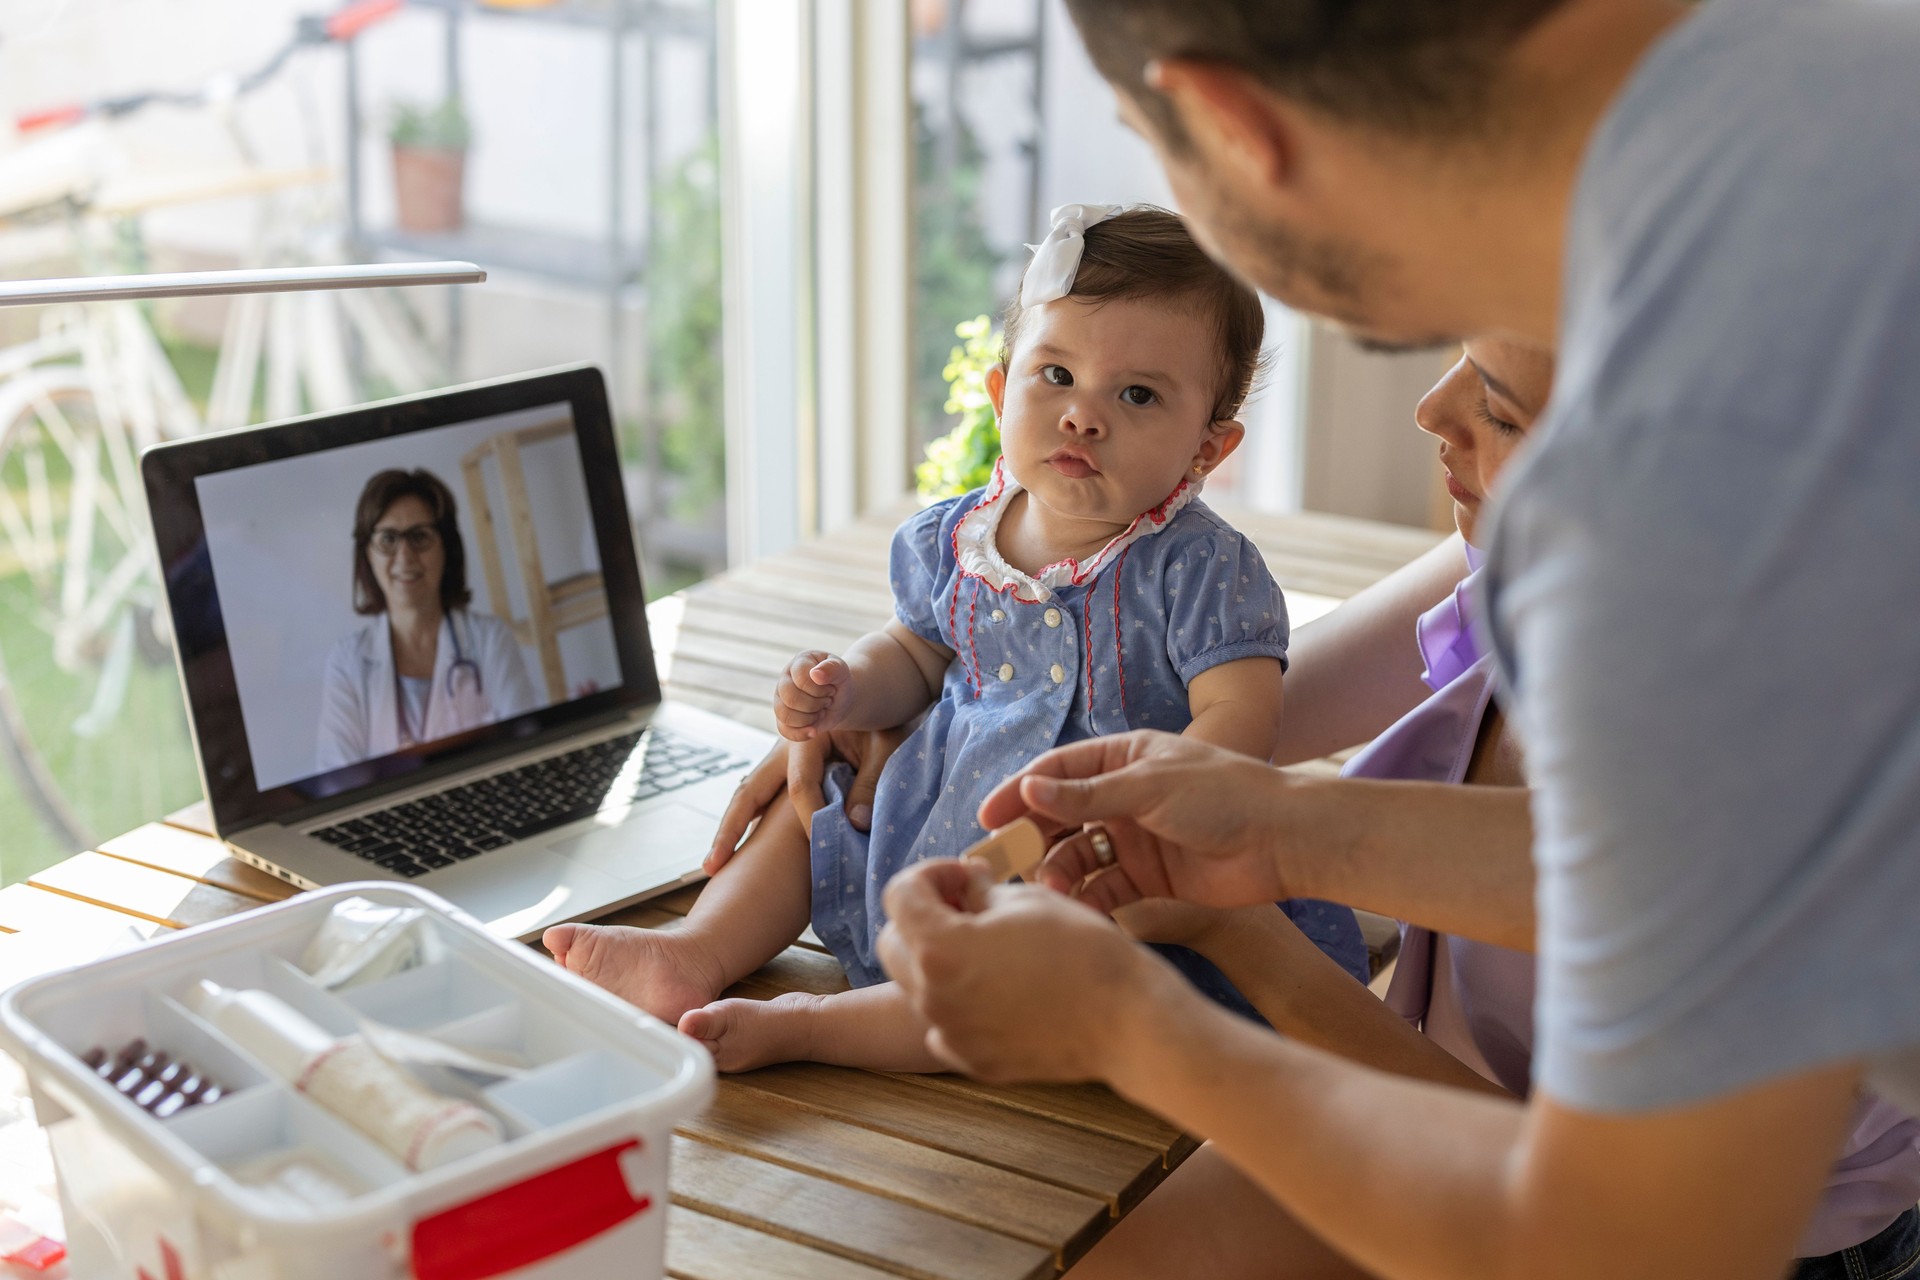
pixel 579 150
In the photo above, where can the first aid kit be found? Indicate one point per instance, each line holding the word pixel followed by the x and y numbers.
pixel 247 1101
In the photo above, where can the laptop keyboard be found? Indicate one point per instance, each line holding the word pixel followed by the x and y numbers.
pixel 450 826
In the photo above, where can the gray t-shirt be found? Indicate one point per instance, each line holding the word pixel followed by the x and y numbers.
pixel 1704 580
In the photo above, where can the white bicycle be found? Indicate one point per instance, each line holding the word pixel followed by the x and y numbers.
pixel 86 675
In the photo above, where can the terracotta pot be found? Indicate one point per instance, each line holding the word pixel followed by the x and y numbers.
pixel 428 188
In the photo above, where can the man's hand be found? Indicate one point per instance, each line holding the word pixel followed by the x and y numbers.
pixel 813 695
pixel 1184 820
pixel 1017 983
pixel 798 768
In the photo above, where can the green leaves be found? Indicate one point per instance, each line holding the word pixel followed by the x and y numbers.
pixel 963 458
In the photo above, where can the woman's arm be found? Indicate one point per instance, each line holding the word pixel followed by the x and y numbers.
pixel 1300 991
pixel 1356 671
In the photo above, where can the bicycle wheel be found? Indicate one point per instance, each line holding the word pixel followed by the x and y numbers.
pixel 90 715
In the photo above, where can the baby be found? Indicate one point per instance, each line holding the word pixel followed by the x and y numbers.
pixel 1084 591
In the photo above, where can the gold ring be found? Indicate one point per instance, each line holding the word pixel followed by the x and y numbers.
pixel 1102 846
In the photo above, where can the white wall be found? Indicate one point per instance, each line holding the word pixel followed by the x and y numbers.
pixel 281 540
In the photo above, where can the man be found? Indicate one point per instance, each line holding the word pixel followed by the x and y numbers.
pixel 1699 587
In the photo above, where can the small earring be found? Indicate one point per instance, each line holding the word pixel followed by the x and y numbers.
pixel 1199 470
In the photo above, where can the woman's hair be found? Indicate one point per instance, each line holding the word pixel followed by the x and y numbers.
pixel 381 492
pixel 1148 253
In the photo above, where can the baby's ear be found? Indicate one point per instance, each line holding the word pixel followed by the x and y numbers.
pixel 1222 438
pixel 997 386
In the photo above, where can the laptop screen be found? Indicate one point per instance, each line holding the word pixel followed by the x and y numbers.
pixel 391 592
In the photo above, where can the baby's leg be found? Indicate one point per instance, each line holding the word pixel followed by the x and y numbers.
pixel 871 1027
pixel 746 915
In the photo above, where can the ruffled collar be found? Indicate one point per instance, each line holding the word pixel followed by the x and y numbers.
pixel 976 541
pixel 1445 632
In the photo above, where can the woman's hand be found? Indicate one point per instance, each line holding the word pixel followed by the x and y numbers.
pixel 812 696
pixel 1179 924
pixel 1183 820
pixel 798 768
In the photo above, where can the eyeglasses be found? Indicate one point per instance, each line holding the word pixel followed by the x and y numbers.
pixel 420 539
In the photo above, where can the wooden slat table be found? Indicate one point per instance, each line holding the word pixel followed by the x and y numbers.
pixel 801 1170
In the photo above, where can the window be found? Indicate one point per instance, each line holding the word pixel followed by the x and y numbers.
pixel 571 147
pixel 1010 120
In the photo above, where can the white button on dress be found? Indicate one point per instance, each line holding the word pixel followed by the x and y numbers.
pixel 1006 672
pixel 999 615
pixel 1052 617
pixel 1059 673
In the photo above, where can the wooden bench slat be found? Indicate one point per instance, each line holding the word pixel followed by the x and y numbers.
pixel 761 1126
pixel 1117 1171
pixel 1092 1107
pixel 163 847
pixel 159 896
pixel 27 909
pixel 854 1224
pixel 700 1247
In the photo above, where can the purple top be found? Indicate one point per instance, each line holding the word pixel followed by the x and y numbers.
pixel 1877 1177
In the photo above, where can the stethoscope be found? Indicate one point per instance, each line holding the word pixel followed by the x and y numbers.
pixel 462 669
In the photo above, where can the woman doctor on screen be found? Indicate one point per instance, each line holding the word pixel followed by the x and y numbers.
pixel 424 666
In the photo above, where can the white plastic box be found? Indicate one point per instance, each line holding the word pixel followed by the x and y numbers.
pixel 578 1189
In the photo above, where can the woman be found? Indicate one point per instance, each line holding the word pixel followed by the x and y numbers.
pixel 424 667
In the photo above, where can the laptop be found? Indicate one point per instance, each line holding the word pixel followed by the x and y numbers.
pixel 413 643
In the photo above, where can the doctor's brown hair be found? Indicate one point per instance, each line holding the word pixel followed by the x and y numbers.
pixel 380 493
pixel 1149 253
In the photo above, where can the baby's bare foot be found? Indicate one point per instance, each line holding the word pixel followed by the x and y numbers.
pixel 744 1034
pixel 664 972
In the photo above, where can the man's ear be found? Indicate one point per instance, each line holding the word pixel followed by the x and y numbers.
pixel 1217 446
pixel 997 387
pixel 1231 118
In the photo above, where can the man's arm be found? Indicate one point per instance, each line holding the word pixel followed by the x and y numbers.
pixel 1412 1179
pixel 1455 859
pixel 1409 1179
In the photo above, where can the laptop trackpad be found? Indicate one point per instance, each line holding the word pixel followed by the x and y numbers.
pixel 658 845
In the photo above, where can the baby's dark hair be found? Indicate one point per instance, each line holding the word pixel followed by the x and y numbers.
pixel 1149 253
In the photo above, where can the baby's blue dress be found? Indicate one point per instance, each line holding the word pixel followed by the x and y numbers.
pixel 1083 650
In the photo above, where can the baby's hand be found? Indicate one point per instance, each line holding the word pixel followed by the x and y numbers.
pixel 813 695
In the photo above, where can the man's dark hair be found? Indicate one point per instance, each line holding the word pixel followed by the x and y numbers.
pixel 380 493
pixel 1411 66
pixel 1149 253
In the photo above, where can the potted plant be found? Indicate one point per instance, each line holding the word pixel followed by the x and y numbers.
pixel 430 165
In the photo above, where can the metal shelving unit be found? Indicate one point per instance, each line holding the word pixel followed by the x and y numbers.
pixel 612 265
pixel 958 52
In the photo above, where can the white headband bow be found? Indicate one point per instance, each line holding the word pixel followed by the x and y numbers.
pixel 1056 259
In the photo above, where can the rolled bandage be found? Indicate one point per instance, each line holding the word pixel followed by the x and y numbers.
pixel 349 1078
pixel 1056 259
pixel 1014 850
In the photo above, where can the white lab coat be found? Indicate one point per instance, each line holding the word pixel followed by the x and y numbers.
pixel 359 710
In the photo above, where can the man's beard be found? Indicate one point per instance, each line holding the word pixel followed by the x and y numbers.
pixel 1335 279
